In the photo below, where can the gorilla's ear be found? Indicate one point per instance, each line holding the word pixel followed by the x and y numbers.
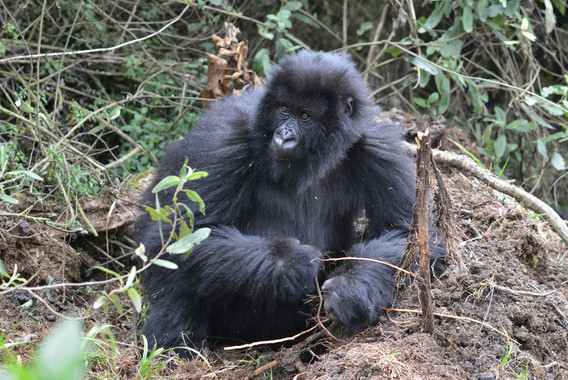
pixel 349 106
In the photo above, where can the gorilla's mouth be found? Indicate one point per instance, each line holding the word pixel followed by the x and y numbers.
pixel 284 141
pixel 287 150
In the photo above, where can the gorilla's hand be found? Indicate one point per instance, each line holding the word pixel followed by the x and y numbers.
pixel 295 267
pixel 356 301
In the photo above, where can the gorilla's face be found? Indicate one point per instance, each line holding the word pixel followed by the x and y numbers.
pixel 308 118
pixel 302 134
pixel 286 137
pixel 298 129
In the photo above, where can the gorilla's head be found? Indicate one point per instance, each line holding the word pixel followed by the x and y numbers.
pixel 309 115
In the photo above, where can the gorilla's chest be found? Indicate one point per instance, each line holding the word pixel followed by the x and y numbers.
pixel 320 216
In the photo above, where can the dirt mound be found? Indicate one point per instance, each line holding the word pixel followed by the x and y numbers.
pixel 503 314
pixel 514 280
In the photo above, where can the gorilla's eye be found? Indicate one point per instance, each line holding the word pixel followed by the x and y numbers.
pixel 305 116
pixel 284 108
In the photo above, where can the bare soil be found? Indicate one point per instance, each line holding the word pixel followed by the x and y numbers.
pixel 502 314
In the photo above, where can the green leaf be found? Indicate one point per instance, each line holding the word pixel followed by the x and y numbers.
pixel 558 162
pixel 8 199
pixel 554 111
pixel 62 355
pixel 433 98
pixel 131 277
pixel 100 301
pixel 115 113
pixel 165 183
pixel 421 102
pixel 292 6
pixel 111 272
pixel 521 125
pixel 467 19
pixel 554 90
pixel 136 299
pixel 452 48
pixel 164 263
pixel 531 100
pixel 423 65
pixel 482 10
pixel 97 129
pixel 443 85
pixel 394 51
pixel 495 10
pixel 265 33
pixel 116 302
pixel 500 117
pixel 187 243
pixel 500 145
pixel 541 148
pixel 364 27
pixel 262 60
pixel 469 153
pixel 475 95
pixel 555 136
pixel 504 166
pixel 196 198
pixel 283 47
pixel 184 229
pixel 27 173
pixel 157 215
pixel 141 252
pixel 306 20
pixel 533 115
pixel 424 79
pixel 188 212
pixel 197 175
pixel 433 20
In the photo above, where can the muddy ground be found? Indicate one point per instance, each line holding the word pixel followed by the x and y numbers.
pixel 503 314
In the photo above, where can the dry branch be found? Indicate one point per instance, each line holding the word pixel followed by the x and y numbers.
pixel 420 228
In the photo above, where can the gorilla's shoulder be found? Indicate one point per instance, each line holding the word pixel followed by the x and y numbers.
pixel 219 140
pixel 380 142
pixel 232 112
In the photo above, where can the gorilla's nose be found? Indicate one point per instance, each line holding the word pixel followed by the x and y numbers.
pixel 285 139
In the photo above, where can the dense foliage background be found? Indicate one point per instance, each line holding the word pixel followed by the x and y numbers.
pixel 92 91
pixel 86 120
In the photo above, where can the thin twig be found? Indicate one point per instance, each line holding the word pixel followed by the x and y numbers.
pixel 458 318
pixel 260 343
pixel 98 50
pixel 521 292
pixel 373 261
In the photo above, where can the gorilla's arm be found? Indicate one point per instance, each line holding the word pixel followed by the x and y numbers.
pixel 229 263
pixel 387 179
pixel 226 267
pixel 358 290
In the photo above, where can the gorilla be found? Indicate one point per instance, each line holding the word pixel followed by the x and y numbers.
pixel 292 167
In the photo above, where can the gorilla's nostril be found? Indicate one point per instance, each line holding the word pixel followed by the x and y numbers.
pixel 285 139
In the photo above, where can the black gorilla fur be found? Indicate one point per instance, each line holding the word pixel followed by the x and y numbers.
pixel 291 167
